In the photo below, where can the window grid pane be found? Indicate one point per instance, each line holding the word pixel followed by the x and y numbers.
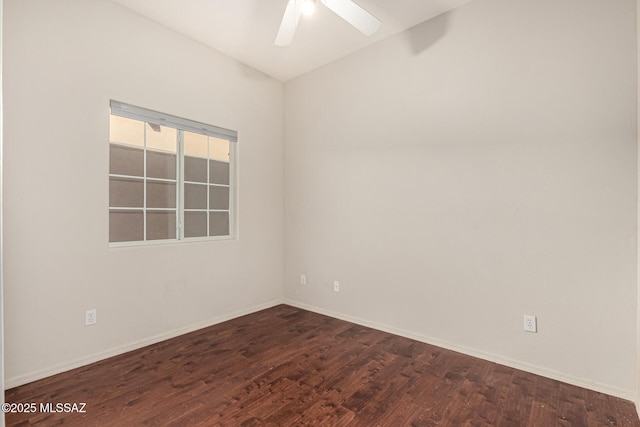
pixel 195 196
pixel 126 160
pixel 161 224
pixel 195 224
pixel 125 225
pixel 204 184
pixel 126 192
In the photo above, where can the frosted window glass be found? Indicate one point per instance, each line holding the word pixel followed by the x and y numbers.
pixel 125 226
pixel 161 165
pixel 161 194
pixel 195 145
pixel 126 131
pixel 219 224
pixel 219 149
pixel 124 160
pixel 195 196
pixel 126 193
pixel 161 225
pixel 161 138
pixel 218 197
pixel 195 169
pixel 195 224
pixel 218 172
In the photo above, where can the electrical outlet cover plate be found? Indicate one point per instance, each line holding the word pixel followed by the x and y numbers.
pixel 336 286
pixel 530 323
pixel 90 317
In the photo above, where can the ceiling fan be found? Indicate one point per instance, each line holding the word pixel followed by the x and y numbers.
pixel 346 9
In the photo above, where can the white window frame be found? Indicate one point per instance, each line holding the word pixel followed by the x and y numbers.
pixel 181 125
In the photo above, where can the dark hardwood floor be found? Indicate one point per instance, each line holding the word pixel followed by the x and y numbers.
pixel 289 367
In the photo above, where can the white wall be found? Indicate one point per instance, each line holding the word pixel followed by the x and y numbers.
pixel 476 168
pixel 64 61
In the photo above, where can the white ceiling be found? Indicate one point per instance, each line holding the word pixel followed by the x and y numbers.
pixel 246 29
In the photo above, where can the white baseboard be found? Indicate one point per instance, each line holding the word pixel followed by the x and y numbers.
pixel 37 375
pixel 580 382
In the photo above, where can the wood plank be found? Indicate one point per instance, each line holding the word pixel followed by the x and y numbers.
pixel 285 366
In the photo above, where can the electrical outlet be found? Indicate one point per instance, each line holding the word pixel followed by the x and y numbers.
pixel 530 323
pixel 90 317
pixel 336 286
pixel 303 279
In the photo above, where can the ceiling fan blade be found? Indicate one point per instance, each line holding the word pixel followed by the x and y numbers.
pixel 354 14
pixel 289 23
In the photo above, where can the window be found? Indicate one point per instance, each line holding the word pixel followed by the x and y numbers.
pixel 170 179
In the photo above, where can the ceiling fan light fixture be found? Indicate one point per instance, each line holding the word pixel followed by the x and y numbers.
pixel 346 9
pixel 308 7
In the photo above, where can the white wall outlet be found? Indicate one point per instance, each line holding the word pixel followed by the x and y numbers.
pixel 303 279
pixel 336 286
pixel 90 317
pixel 530 323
